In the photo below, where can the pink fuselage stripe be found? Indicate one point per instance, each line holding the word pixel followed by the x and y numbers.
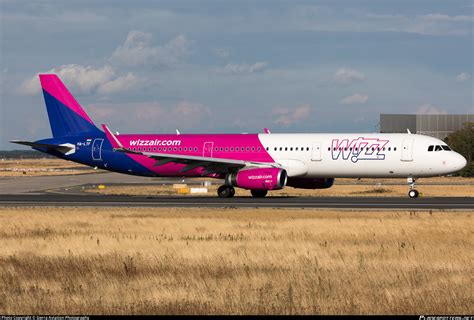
pixel 186 144
pixel 52 85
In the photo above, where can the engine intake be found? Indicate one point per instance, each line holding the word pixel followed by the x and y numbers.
pixel 310 183
pixel 258 179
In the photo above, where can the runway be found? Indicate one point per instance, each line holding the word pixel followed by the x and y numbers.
pixel 91 200
pixel 66 191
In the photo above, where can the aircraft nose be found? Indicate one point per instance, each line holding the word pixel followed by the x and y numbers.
pixel 459 162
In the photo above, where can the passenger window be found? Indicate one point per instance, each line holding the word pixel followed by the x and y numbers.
pixel 430 148
pixel 275 149
pixel 281 148
pixel 253 148
pixel 307 149
pixel 438 148
pixel 164 149
pixel 286 148
pixel 394 148
pixel 389 148
pixel 296 149
pixel 226 149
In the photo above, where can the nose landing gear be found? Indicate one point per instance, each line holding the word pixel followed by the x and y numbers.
pixel 412 193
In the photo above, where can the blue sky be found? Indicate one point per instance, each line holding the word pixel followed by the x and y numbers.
pixel 235 66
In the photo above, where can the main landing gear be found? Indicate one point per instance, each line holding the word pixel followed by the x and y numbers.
pixel 258 193
pixel 412 193
pixel 226 191
pixel 229 191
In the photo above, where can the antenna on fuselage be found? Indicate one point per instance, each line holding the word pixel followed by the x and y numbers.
pixel 177 132
pixel 408 131
pixel 266 130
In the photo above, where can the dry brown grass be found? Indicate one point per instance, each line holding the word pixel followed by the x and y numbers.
pixel 41 167
pixel 213 261
pixel 337 190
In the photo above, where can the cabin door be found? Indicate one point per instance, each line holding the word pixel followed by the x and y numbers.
pixel 407 150
pixel 207 149
pixel 316 151
pixel 97 149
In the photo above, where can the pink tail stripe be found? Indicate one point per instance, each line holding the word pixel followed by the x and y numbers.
pixel 54 86
pixel 111 137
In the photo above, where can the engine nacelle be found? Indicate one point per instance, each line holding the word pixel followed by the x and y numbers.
pixel 310 183
pixel 258 179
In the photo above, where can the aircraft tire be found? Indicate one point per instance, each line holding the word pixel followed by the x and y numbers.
pixel 413 193
pixel 258 193
pixel 225 192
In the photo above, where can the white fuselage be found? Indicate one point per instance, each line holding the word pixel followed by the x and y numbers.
pixel 361 155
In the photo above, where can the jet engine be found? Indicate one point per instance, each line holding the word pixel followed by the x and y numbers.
pixel 258 179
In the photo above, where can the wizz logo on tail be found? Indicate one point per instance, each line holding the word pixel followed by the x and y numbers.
pixel 358 149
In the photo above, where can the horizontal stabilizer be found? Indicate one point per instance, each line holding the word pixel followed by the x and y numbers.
pixel 63 148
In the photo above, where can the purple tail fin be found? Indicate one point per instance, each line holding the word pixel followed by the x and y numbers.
pixel 66 116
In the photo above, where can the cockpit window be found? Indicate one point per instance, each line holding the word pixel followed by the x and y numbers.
pixel 439 148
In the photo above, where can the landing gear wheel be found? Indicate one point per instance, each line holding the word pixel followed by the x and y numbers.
pixel 413 194
pixel 225 192
pixel 258 193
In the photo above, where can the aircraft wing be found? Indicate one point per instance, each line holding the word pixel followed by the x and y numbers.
pixel 211 165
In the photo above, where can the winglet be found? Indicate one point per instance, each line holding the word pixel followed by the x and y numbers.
pixel 112 138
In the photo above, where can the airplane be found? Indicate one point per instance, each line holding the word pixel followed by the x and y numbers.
pixel 256 162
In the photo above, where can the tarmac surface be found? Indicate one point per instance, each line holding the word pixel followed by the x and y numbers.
pixel 90 200
pixel 66 191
